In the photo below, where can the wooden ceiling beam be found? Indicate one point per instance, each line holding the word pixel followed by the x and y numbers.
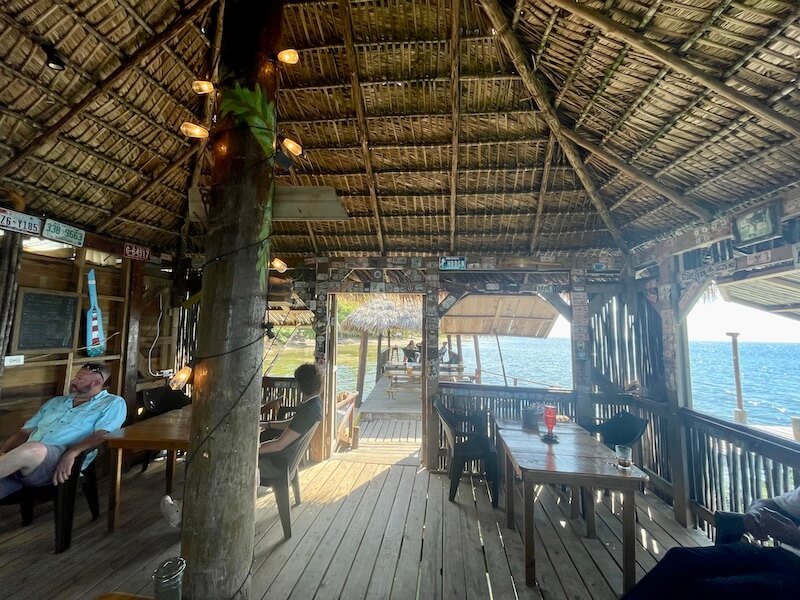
pixel 680 65
pixel 464 113
pixel 122 207
pixel 443 81
pixel 538 90
pixel 345 13
pixel 443 170
pixel 548 162
pixel 405 146
pixel 639 176
pixel 455 100
pixel 142 52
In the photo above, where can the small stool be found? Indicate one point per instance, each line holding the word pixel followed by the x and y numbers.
pixel 394 353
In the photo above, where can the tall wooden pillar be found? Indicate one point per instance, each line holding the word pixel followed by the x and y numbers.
pixel 134 289
pixel 10 253
pixel 579 334
pixel 675 343
pixel 430 375
pixel 324 356
pixel 219 500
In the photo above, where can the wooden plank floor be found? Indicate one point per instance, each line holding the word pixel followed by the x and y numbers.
pixel 367 528
pixel 401 401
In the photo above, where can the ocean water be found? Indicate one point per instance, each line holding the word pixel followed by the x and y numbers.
pixel 770 377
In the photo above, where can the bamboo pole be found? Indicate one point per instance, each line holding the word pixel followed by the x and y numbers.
pixel 477 359
pixel 502 364
pixel 739 413
pixel 455 102
pixel 219 501
pixel 362 367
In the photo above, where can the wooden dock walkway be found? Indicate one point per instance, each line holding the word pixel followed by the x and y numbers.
pixel 368 527
pixel 399 401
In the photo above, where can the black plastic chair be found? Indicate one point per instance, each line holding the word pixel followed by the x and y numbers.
pixel 63 498
pixel 289 458
pixel 623 429
pixel 465 445
pixel 157 401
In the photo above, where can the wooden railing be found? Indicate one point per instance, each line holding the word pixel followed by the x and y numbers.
pixel 730 465
pixel 652 450
pixel 278 392
pixel 346 428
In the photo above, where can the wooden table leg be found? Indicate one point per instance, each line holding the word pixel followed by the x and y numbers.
pixel 509 493
pixel 114 493
pixel 171 457
pixel 529 497
pixel 574 501
pixel 588 511
pixel 628 540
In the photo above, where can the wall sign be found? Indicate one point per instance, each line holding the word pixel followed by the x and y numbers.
pixel 11 220
pixel 452 263
pixel 66 234
pixel 135 252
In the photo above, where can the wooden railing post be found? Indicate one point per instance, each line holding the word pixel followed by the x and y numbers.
pixel 430 370
pixel 677 381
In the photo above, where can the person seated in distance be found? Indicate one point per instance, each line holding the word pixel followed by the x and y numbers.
pixel 44 450
pixel 279 435
pixel 735 569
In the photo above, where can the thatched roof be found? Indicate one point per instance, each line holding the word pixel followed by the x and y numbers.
pixel 483 314
pixel 445 127
pixel 386 313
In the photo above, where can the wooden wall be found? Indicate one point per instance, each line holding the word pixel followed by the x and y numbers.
pixel 47 374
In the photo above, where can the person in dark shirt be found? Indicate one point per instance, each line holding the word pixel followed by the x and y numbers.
pixel 307 413
pixel 283 434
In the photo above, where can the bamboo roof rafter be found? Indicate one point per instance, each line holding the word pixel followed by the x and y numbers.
pixel 680 65
pixel 455 99
pixel 345 13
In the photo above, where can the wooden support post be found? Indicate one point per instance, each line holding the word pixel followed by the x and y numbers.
pixel 675 344
pixel 430 371
pixel 10 253
pixel 581 373
pixel 459 349
pixel 362 367
pixel 323 357
pixel 329 397
pixel 135 287
pixel 219 501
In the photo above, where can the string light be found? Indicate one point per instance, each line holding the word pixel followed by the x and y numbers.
pixel 202 86
pixel 279 265
pixel 289 56
pixel 291 146
pixel 181 378
pixel 193 130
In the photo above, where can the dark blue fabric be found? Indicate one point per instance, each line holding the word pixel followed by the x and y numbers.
pixel 730 572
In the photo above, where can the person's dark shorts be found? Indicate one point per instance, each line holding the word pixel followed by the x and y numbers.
pixel 40 476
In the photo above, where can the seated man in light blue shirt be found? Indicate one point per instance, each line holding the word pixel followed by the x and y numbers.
pixel 44 450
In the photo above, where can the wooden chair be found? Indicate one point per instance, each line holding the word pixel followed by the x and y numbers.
pixel 464 446
pixel 63 498
pixel 289 457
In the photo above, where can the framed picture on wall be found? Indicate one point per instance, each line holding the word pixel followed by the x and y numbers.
pixel 758 225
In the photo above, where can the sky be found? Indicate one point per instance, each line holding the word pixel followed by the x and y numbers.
pixel 710 321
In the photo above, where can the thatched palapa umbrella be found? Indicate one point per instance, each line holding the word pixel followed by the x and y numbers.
pixel 379 315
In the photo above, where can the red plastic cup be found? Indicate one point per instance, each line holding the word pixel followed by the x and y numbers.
pixel 550 418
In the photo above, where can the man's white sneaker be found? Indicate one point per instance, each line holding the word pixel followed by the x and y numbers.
pixel 172 509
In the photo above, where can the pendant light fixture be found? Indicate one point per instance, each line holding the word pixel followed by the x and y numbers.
pixel 52 58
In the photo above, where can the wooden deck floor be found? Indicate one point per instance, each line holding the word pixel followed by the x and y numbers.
pixel 370 526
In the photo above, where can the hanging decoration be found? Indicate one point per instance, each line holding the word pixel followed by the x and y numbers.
pixel 95 336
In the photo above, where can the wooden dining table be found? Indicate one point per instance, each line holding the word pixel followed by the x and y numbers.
pixel 169 432
pixel 577 460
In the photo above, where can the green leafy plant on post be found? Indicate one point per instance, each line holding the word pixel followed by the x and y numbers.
pixel 251 107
